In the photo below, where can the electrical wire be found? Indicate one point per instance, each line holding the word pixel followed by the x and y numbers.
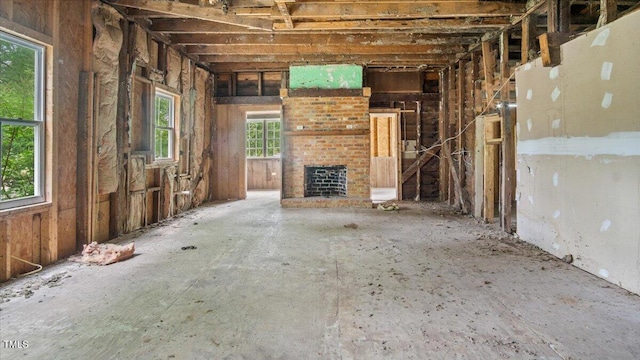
pixel 39 267
pixel 437 143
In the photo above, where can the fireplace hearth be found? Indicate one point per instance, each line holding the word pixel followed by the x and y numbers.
pixel 325 181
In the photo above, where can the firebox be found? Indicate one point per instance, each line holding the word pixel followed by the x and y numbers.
pixel 325 181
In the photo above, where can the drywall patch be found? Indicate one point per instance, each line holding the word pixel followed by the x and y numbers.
pixel 605 72
pixel 606 100
pixel 604 273
pixel 555 179
pixel 555 71
pixel 529 124
pixel 601 38
pixel 518 175
pixel 555 94
pixel 555 124
pixel 530 197
pixel 620 144
pixel 605 225
pixel 527 66
pixel 529 94
pixel 556 214
pixel 555 246
pixel 518 129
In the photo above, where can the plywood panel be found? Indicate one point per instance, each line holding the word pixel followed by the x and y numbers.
pixel 383 171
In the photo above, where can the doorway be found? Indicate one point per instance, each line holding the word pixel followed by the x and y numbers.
pixel 385 155
pixel 262 150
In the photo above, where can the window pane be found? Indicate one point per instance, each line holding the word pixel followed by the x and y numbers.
pixel 163 144
pixel 163 112
pixel 273 138
pixel 17 80
pixel 17 167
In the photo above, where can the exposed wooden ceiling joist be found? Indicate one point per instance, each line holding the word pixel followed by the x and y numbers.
pixel 312 49
pixel 332 58
pixel 324 39
pixel 377 10
pixel 441 26
pixel 195 12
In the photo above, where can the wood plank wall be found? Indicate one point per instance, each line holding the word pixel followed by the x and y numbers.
pixel 47 232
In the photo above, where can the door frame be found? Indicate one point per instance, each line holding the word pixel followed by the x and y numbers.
pixel 392 112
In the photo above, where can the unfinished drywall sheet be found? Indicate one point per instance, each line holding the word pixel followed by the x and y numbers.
pixel 106 48
pixel 578 151
pixel 325 77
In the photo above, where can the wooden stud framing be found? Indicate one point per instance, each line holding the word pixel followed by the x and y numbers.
pixel 608 12
pixel 508 169
pixel 461 99
pixel 529 35
pixel 442 130
pixel 418 147
pixel 489 64
pixel 451 126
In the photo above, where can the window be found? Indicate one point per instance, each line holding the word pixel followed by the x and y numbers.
pixel 21 122
pixel 164 125
pixel 263 135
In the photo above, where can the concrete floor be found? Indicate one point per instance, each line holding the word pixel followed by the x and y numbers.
pixel 272 283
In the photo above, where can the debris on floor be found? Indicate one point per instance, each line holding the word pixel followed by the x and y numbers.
pixel 190 247
pixel 104 254
pixel 388 206
pixel 351 226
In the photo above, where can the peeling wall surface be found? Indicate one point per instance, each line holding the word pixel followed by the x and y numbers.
pixel 325 77
pixel 578 165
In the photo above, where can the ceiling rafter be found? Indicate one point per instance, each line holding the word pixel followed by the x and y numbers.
pixel 196 12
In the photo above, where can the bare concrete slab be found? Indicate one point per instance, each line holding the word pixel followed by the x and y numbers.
pixel 271 283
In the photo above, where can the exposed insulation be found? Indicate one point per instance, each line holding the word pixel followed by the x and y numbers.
pixel 136 213
pixel 198 151
pixel 141 47
pixel 106 48
pixel 136 173
pixel 174 69
pixel 168 181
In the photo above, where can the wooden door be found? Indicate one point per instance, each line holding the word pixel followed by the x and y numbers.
pixel 385 151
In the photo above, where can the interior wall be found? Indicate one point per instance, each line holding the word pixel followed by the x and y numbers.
pixel 46 232
pixel 578 153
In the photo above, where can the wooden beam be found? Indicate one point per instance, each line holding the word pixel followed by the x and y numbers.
pixel 381 10
pixel 418 146
pixel 419 163
pixel 248 100
pixel 558 16
pixel 197 26
pixel 508 169
pixel 260 38
pixel 489 64
pixel 439 26
pixel 196 12
pixel 490 163
pixel 386 97
pixel 442 133
pixel 306 49
pixel 451 130
pixel 284 11
pixel 505 90
pixel 529 49
pixel 366 59
pixel 608 12
pixel 477 84
pixel 456 181
pixel 460 121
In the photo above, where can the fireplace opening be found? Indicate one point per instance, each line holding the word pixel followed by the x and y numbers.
pixel 325 181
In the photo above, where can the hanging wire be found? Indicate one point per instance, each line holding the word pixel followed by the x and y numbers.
pixel 437 143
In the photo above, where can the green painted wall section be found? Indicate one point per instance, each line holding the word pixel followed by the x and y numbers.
pixel 325 77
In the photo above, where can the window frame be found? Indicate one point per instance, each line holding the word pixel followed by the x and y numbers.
pixel 38 123
pixel 265 120
pixel 164 93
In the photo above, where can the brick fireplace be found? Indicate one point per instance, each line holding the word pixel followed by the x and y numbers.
pixel 326 151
